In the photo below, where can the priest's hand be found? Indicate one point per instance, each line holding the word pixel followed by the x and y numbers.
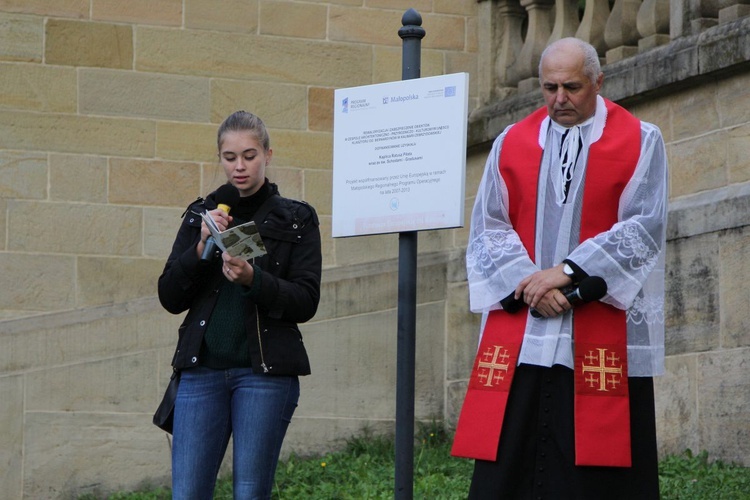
pixel 554 303
pixel 541 290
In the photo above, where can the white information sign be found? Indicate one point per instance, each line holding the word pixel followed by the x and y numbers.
pixel 399 156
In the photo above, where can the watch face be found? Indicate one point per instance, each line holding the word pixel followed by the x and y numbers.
pixel 568 270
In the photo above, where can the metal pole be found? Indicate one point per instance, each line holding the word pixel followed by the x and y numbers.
pixel 411 33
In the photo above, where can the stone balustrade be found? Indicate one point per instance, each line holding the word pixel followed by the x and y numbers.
pixel 522 28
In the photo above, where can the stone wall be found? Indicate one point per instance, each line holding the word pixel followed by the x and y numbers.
pixel 108 114
pixel 108 117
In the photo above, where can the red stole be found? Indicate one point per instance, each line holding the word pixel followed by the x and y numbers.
pixel 602 414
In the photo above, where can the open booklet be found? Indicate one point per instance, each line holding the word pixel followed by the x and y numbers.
pixel 238 241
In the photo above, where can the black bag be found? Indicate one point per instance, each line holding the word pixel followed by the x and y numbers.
pixel 164 415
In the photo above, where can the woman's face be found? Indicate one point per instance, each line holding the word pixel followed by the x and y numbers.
pixel 244 160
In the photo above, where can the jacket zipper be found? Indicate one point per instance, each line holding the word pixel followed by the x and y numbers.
pixel 260 342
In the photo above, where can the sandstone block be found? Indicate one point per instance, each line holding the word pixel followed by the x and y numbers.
pixel 692 302
pixel 308 435
pixel 698 164
pixel 111 280
pixel 308 150
pixel 687 105
pixel 455 394
pixel 463 62
pixel 327 244
pixel 387 64
pixel 24 175
pixel 157 329
pixel 212 176
pixel 366 26
pixel 364 294
pixel 731 91
pixel 429 361
pixel 250 57
pixel 279 106
pixel 186 142
pixel 458 7
pixel 230 15
pixel 658 113
pixel 77 453
pixel 61 8
pixel 355 250
pixel 161 12
pixel 3 241
pixel 318 190
pixel 293 19
pixel 11 439
pixel 421 6
pixel 21 38
pixel 48 280
pixel 72 228
pixel 360 352
pixel 83 43
pixel 456 270
pixel 472 36
pixel 153 182
pixel 38 88
pixel 159 230
pixel 342 2
pixel 444 32
pixel 290 180
pixel 79 335
pixel 462 333
pixel 432 280
pixel 76 134
pixel 435 241
pixel 78 178
pixel 709 211
pixel 127 93
pixel 734 275
pixel 724 402
pixel 320 109
pixel 676 406
pixel 738 153
pixel 122 384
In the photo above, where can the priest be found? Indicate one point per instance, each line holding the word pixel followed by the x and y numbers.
pixel 560 403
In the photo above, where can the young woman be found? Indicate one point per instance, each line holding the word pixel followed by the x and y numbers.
pixel 240 352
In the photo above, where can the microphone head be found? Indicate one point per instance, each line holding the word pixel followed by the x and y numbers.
pixel 228 195
pixel 592 288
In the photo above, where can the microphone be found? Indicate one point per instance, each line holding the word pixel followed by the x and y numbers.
pixel 227 196
pixel 589 289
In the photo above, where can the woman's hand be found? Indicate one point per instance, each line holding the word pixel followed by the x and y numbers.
pixel 237 270
pixel 222 219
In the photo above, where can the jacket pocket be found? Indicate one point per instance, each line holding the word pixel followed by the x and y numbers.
pixel 284 351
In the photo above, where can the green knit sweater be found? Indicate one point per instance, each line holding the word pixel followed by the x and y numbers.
pixel 226 343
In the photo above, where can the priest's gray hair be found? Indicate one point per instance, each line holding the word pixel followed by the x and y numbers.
pixel 591 66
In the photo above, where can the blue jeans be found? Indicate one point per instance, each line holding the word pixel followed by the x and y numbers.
pixel 213 405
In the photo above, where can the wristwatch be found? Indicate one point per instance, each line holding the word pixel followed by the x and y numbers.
pixel 568 271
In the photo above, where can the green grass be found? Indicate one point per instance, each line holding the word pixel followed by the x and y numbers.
pixel 365 470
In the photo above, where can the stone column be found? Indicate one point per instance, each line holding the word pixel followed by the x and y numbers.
pixel 621 33
pixel 731 10
pixel 592 25
pixel 653 24
pixel 566 20
pixel 511 42
pixel 537 35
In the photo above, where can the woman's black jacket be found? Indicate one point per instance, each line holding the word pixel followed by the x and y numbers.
pixel 288 294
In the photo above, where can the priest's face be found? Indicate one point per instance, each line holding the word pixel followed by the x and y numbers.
pixel 569 92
